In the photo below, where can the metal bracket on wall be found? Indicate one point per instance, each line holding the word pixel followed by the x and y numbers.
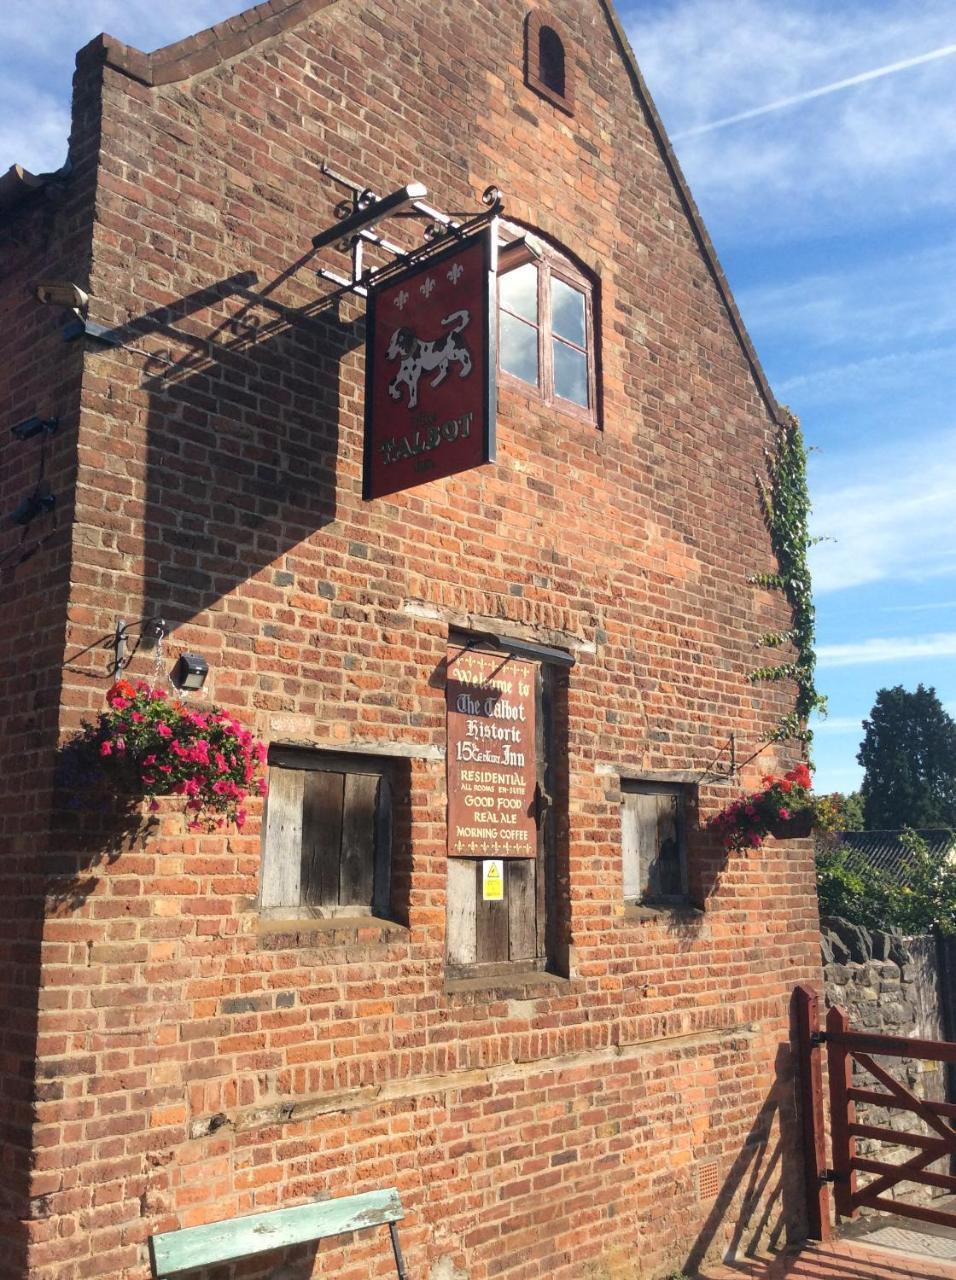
pixel 362 210
pixel 155 627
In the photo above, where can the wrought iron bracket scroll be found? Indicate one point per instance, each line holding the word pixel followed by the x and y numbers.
pixel 362 210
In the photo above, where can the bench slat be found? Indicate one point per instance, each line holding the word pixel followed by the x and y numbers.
pixel 242 1237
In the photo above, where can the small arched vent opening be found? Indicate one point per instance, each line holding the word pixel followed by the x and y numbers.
pixel 548 68
pixel 551 60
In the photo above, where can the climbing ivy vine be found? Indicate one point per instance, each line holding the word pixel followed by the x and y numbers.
pixel 785 500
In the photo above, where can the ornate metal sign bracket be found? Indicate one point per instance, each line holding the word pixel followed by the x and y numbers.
pixel 362 210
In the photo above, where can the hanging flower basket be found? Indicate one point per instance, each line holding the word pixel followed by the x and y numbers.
pixel 796 827
pixel 150 744
pixel 785 808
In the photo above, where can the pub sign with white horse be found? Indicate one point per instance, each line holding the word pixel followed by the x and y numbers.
pixel 430 367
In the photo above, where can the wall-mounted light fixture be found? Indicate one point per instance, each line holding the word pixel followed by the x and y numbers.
pixel 31 427
pixel 190 671
pixel 40 500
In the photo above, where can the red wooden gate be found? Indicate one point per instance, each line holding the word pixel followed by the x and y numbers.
pixel 843 1048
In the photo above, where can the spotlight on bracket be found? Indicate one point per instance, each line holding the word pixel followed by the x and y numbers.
pixel 366 216
pixel 190 671
pixel 62 293
pixel 31 427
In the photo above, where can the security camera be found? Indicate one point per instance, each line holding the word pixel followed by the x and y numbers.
pixel 61 293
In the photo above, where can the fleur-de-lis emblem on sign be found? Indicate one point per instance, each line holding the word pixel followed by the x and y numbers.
pixel 401 299
pixel 427 287
pixel 456 272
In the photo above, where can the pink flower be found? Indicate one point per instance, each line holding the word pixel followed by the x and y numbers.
pixel 149 759
pixel 241 816
pixel 106 748
pixel 164 730
pixel 153 806
pixel 119 703
pixel 783 813
pixel 137 718
pixel 148 779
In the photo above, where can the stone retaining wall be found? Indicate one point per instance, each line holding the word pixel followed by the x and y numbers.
pixel 895 986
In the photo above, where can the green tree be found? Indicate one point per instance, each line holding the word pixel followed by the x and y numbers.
pixel 851 811
pixel 909 754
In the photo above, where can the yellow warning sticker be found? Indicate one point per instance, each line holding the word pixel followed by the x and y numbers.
pixel 492 880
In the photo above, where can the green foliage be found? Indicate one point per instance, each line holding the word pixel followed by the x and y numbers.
pixel 909 754
pixel 839 812
pixel 785 500
pixel 924 897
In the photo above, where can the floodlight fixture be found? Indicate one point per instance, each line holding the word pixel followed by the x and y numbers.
pixel 370 211
pixel 31 427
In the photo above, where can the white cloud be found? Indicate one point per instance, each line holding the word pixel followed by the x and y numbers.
pixel 887 649
pixel 863 380
pixel 808 95
pixel 37 58
pixel 891 516
pixel 883 305
pixel 861 153
pixel 834 725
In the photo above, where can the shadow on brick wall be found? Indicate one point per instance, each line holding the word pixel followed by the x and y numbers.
pixel 242 441
pixel 762 1192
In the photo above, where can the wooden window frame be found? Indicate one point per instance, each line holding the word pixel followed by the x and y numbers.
pixel 530 883
pixel 536 20
pixel 279 867
pixel 632 856
pixel 549 265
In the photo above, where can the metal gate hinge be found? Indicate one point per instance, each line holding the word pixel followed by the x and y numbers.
pixel 818 1037
pixel 830 1175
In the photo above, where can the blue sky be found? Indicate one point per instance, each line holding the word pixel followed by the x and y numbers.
pixel 833 216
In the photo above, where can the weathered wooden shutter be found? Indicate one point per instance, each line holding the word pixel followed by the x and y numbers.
pixel 328 839
pixel 652 843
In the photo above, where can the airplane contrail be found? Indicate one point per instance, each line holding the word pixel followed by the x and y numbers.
pixel 864 76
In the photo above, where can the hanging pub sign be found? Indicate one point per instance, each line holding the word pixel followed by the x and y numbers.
pixel 430 368
pixel 492 762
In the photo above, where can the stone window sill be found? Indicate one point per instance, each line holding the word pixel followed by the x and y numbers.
pixel 521 984
pixel 322 931
pixel 683 911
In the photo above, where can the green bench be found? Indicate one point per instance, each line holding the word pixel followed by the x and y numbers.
pixel 176 1251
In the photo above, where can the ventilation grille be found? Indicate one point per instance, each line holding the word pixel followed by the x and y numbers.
pixel 707 1181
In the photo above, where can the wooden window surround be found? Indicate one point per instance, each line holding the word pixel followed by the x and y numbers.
pixel 503 940
pixel 327 834
pixel 548 69
pixel 654 843
pixel 547 336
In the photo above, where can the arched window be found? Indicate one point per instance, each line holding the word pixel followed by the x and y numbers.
pixel 548 69
pixel 546 324
pixel 551 59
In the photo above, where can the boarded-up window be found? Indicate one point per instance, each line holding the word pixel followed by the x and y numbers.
pixel 327 834
pixel 515 926
pixel 654 841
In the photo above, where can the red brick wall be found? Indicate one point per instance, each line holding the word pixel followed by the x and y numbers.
pixel 46 235
pixel 206 1064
